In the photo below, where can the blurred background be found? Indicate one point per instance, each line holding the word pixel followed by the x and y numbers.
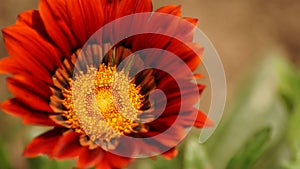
pixel 258 42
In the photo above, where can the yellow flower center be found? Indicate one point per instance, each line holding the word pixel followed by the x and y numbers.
pixel 103 103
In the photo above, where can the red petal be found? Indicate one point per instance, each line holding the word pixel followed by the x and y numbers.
pixel 117 161
pixel 10 66
pixel 198 76
pixel 32 19
pixel 132 24
pixel 203 121
pixel 185 29
pixel 103 165
pixel 170 138
pixel 29 116
pixel 190 53
pixel 89 158
pixel 56 21
pixel 87 19
pixel 201 88
pixel 44 144
pixel 68 146
pixel 170 9
pixel 170 153
pixel 31 84
pixel 31 92
pixel 110 8
pixel 145 41
pixel 134 6
pixel 41 61
pixel 193 21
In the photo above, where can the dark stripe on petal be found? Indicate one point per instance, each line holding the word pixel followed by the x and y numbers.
pixel 15 107
pixel 68 146
pixel 45 143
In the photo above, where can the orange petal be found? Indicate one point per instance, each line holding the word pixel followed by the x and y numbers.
pixel 170 9
pixel 198 76
pixel 193 21
pixel 170 153
pixel 203 121
pixel 8 65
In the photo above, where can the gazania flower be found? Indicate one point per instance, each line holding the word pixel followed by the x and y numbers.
pixel 60 80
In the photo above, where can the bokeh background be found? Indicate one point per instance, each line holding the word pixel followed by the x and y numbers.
pixel 259 45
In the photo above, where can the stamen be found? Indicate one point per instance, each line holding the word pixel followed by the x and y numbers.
pixel 102 103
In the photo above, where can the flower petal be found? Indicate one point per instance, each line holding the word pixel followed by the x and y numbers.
pixel 37 56
pixel 134 6
pixel 103 165
pixel 117 161
pixel 17 108
pixel 89 158
pixel 190 53
pixel 87 19
pixel 193 21
pixel 32 19
pixel 44 144
pixel 203 121
pixel 170 9
pixel 29 91
pixel 9 65
pixel 170 153
pixel 68 146
pixel 55 17
pixel 171 138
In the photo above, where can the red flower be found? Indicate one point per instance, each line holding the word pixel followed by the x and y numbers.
pixel 45 46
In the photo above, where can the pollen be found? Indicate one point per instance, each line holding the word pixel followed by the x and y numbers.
pixel 103 103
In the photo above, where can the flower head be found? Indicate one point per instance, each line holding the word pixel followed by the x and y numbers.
pixel 98 92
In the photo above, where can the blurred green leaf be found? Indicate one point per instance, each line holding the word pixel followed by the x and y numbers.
pixel 159 163
pixel 289 84
pixel 195 155
pixel 293 133
pixel 290 92
pixel 4 163
pixel 43 162
pixel 256 106
pixel 251 151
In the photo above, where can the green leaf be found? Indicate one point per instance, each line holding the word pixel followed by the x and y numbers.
pixel 195 155
pixel 43 162
pixel 293 132
pixel 4 163
pixel 251 151
pixel 289 83
pixel 256 106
